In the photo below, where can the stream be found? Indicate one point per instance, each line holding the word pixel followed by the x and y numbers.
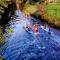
pixel 23 45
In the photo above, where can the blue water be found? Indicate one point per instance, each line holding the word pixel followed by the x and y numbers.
pixel 23 45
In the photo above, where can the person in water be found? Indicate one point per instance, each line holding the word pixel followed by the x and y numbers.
pixel 27 26
pixel 36 28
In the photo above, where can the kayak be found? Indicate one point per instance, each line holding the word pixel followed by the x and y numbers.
pixel 46 29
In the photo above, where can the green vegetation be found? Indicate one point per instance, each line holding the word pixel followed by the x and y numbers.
pixel 2 37
pixel 1 58
pixel 30 8
pixel 53 10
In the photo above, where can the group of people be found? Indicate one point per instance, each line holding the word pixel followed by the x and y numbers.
pixel 28 25
pixel 12 9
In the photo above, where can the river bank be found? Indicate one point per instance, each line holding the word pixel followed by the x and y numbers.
pixel 44 20
pixel 50 13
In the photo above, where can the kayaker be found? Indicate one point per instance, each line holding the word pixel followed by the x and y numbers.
pixel 36 29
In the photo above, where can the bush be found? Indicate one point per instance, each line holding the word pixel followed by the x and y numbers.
pixel 1 37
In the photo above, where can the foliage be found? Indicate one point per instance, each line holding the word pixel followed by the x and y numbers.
pixel 2 37
pixel 53 10
pixel 1 58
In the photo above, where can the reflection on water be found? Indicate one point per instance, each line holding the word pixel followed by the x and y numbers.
pixel 23 45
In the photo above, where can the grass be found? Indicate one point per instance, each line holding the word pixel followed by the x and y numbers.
pixel 53 10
